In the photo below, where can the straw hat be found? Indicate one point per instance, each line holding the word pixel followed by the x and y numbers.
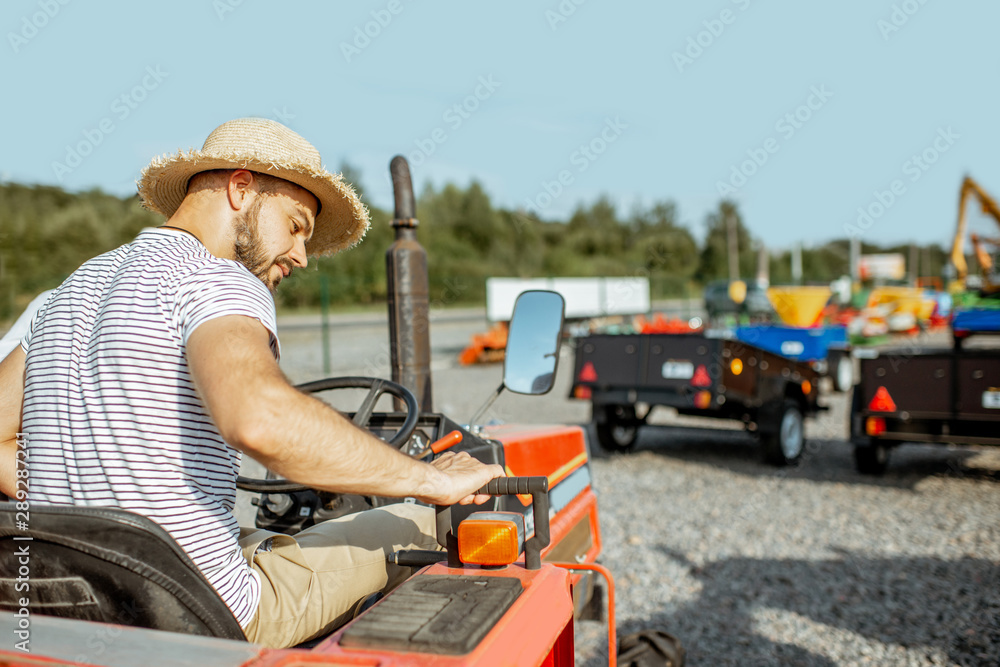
pixel 268 147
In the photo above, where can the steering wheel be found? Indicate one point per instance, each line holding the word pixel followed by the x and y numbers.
pixel 376 388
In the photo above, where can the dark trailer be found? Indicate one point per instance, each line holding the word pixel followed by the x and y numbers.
pixel 928 396
pixel 625 376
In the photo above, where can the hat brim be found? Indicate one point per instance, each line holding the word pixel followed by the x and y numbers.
pixel 342 220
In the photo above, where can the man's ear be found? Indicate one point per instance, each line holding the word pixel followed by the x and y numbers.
pixel 238 189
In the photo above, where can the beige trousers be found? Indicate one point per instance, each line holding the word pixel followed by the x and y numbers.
pixel 311 582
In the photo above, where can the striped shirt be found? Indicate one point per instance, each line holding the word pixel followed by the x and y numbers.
pixel 111 417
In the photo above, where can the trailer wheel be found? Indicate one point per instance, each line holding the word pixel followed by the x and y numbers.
pixel 843 378
pixel 617 431
pixel 784 441
pixel 871 458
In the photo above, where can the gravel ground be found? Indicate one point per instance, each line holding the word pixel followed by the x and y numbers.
pixel 748 564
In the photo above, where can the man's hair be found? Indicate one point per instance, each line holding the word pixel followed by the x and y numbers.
pixel 218 179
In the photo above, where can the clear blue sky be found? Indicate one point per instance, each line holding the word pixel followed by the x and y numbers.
pixel 886 79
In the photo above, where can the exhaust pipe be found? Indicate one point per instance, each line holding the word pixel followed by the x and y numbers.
pixel 408 294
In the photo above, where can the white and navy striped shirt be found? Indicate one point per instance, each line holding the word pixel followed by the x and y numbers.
pixel 111 417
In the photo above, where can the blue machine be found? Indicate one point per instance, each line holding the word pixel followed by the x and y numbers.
pixel 801 344
pixel 968 321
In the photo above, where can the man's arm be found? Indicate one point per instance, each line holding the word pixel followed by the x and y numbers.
pixel 302 439
pixel 11 397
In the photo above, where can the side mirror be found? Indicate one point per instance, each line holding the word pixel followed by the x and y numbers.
pixel 533 342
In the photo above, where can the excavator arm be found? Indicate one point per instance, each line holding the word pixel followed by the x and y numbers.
pixel 989 205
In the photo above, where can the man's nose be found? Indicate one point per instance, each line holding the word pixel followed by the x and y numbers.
pixel 298 254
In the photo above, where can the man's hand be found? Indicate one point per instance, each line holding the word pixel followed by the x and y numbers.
pixel 463 475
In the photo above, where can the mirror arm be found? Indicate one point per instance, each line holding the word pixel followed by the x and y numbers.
pixel 487 405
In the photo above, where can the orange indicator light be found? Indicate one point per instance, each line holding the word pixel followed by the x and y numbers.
pixel 875 425
pixel 488 541
pixel 702 399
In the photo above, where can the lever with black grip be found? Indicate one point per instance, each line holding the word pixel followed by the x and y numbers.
pixel 536 487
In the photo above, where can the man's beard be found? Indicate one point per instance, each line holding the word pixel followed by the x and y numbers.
pixel 249 246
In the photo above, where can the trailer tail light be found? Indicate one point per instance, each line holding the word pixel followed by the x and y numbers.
pixel 580 391
pixel 700 377
pixel 588 373
pixel 491 538
pixel 702 399
pixel 736 366
pixel 875 425
pixel 807 387
pixel 882 401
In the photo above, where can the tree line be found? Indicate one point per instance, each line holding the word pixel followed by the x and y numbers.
pixel 47 232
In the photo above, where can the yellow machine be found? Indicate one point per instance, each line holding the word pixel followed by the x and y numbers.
pixel 989 205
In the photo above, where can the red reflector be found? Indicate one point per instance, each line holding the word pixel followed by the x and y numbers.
pixel 700 378
pixel 882 401
pixel 588 373
pixel 875 425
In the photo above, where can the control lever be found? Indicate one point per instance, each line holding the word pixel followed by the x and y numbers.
pixel 536 487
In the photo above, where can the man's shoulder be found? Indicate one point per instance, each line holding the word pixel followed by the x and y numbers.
pixel 209 272
pixel 186 260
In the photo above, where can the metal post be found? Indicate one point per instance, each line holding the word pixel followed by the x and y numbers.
pixel 855 264
pixel 763 266
pixel 324 307
pixel 797 264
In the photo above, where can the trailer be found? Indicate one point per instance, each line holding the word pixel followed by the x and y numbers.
pixel 825 348
pixel 705 374
pixel 945 396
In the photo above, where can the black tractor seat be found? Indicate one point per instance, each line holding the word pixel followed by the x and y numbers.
pixel 106 565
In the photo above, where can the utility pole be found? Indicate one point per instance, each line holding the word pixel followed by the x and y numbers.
pixel 797 263
pixel 763 266
pixel 734 257
pixel 855 264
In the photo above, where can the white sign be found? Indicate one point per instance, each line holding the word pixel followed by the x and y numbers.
pixel 792 348
pixel 890 265
pixel 585 297
pixel 991 399
pixel 678 370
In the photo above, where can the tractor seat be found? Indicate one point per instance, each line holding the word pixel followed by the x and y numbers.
pixel 106 565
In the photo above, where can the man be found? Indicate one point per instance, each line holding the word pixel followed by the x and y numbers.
pixel 147 370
